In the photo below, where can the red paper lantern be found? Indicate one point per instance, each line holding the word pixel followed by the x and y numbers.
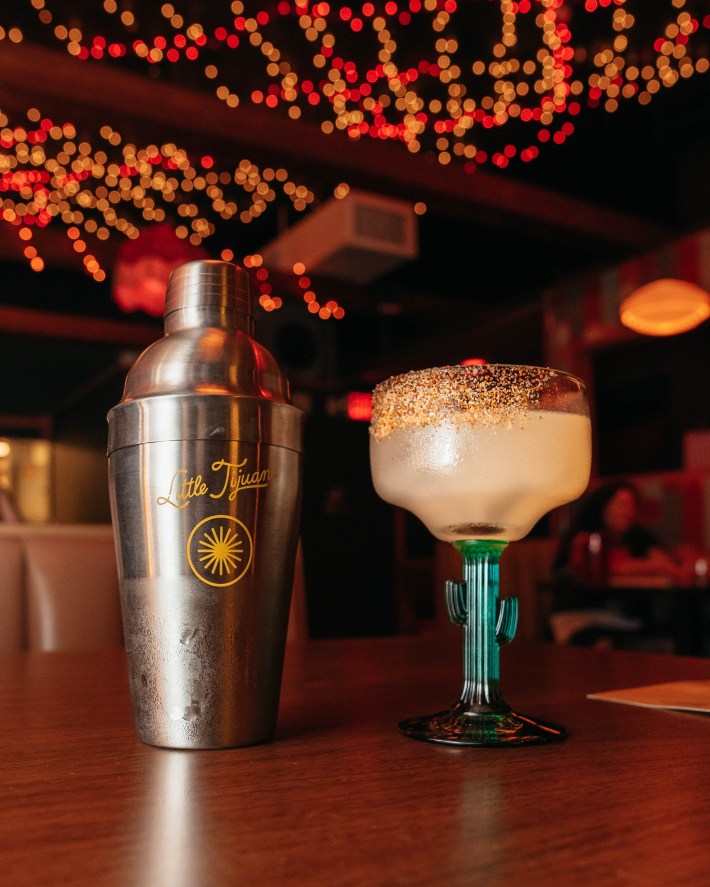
pixel 143 266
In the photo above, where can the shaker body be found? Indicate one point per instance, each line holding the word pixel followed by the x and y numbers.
pixel 205 592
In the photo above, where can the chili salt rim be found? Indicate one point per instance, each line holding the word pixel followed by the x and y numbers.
pixel 492 394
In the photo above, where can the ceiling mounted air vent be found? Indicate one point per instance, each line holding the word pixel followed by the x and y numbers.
pixel 356 239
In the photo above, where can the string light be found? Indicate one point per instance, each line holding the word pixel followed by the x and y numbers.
pixel 473 83
pixel 476 83
pixel 97 189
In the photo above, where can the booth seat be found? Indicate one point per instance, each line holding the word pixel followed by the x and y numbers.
pixel 59 588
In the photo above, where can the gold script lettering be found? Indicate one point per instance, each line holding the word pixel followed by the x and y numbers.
pixel 235 479
pixel 182 489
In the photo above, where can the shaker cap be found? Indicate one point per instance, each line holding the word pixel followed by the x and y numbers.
pixel 208 285
pixel 207 378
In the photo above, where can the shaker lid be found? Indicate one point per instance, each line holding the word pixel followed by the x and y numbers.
pixel 207 378
pixel 208 284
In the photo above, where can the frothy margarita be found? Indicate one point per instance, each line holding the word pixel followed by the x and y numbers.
pixel 473 452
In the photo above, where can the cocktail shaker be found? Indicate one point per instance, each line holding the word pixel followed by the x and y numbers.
pixel 205 474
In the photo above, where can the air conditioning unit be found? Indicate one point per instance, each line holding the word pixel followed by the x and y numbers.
pixel 357 239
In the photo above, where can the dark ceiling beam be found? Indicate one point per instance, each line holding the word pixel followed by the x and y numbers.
pixel 50 324
pixel 94 93
pixel 21 426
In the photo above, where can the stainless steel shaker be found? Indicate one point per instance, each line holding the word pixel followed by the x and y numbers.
pixel 205 474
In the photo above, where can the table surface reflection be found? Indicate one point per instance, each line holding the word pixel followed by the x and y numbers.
pixel 340 798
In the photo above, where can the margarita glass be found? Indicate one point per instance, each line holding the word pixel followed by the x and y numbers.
pixel 479 454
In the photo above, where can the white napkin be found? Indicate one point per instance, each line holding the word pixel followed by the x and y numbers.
pixel 680 695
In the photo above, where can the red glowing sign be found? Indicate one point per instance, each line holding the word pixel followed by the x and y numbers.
pixel 359 406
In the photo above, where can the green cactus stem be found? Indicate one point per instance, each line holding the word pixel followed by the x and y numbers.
pixel 488 622
pixel 481 716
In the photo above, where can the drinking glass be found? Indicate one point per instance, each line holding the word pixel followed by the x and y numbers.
pixel 479 454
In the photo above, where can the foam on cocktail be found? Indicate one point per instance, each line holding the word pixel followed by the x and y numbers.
pixel 473 452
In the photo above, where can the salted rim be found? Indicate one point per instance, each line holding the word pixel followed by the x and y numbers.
pixel 491 394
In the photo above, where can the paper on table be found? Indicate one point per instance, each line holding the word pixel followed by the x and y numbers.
pixel 681 695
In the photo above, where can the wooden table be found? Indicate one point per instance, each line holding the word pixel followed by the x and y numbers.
pixel 340 797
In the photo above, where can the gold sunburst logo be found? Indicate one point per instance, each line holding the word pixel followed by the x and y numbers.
pixel 219 550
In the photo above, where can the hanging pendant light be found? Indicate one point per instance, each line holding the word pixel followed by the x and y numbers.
pixel 665 307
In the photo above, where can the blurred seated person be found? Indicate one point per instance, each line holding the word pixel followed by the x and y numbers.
pixel 607 543
pixel 608 546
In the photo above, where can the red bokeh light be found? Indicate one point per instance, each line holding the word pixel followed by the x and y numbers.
pixel 359 406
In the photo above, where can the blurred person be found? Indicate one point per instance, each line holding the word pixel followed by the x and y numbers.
pixel 607 545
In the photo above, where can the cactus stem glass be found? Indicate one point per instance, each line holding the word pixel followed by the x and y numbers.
pixel 479 454
pixel 481 716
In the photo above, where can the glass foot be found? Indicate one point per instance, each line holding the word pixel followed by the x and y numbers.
pixel 456 726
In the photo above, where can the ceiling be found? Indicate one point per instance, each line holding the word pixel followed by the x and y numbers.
pixel 489 242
